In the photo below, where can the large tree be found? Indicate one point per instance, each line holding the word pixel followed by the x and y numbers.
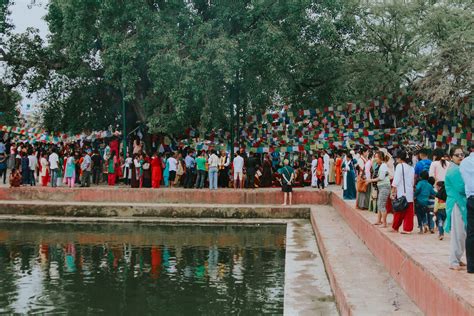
pixel 192 63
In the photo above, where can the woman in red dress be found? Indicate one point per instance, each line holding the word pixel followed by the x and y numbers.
pixel 156 171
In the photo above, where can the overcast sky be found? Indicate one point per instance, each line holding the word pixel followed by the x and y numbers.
pixel 24 16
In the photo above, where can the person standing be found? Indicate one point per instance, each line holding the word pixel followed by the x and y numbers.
pixel 25 169
pixel 332 173
pixel 326 168
pixel 166 171
pixel 201 170
pixel 267 173
pixel 314 177
pixel 70 173
pixel 213 165
pixel 3 167
pixel 156 174
pixel 44 169
pixel 456 210
pixel 320 175
pixel 423 163
pixel 439 166
pixel 349 190
pixel 338 168
pixel 86 169
pixel 190 170
pixel 363 178
pixel 467 172
pixel 402 185
pixel 96 167
pixel 287 175
pixel 238 164
pixel 54 167
pixel 111 169
pixel 382 180
pixel 224 163
pixel 251 168
pixel 136 166
pixel 173 169
pixel 423 191
pixel 127 169
pixel 33 166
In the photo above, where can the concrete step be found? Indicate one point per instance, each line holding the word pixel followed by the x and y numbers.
pixel 360 282
pixel 123 194
pixel 133 209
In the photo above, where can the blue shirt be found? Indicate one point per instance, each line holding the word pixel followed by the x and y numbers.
pixel 423 192
pixel 189 161
pixel 467 172
pixel 422 165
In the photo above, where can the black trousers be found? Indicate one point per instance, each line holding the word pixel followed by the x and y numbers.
pixel 470 235
pixel 3 173
pixel 189 178
pixel 250 178
pixel 96 174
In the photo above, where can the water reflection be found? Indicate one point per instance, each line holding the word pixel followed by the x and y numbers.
pixel 47 268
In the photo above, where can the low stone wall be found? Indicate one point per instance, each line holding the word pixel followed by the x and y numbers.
pixel 163 195
pixel 151 210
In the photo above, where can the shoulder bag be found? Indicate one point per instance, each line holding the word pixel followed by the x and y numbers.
pixel 400 204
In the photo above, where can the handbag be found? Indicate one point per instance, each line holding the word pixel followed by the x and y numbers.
pixel 400 204
pixel 362 185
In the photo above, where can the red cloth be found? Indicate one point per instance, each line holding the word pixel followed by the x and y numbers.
pixel 320 169
pixel 114 146
pixel 45 179
pixel 156 172
pixel 111 178
pixel 338 170
pixel 405 217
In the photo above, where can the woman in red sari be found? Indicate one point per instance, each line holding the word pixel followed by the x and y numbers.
pixel 338 168
pixel 156 171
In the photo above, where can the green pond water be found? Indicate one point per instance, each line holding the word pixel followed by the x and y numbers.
pixel 138 269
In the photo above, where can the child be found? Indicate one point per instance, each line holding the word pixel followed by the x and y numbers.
pixel 440 208
pixel 423 192
pixel 15 178
pixel 430 206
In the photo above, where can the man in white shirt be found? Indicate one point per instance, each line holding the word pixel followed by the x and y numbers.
pixel 213 166
pixel 173 167
pixel 33 166
pixel 54 167
pixel 467 172
pixel 326 168
pixel 238 170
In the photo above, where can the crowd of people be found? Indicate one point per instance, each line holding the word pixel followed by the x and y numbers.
pixel 438 191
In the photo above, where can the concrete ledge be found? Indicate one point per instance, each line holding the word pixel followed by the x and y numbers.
pixel 94 209
pixel 163 195
pixel 410 261
pixel 307 289
pixel 360 282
